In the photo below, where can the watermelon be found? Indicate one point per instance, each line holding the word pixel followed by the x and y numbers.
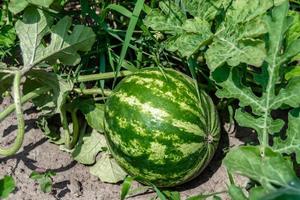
pixel 159 128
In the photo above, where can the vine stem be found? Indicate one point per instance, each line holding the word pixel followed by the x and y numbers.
pixel 20 118
pixel 29 96
pixel 101 76
pixel 65 125
pixel 75 134
pixel 92 91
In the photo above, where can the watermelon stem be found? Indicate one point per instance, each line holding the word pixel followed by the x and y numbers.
pixel 101 76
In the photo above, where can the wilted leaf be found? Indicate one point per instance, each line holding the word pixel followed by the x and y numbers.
pixel 87 149
pixel 107 169
pixel 7 185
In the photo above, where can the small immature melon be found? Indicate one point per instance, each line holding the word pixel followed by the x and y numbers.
pixel 159 128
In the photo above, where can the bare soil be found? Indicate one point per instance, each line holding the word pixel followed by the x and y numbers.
pixel 73 180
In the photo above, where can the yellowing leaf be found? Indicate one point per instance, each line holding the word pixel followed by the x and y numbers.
pixel 108 170
pixel 87 149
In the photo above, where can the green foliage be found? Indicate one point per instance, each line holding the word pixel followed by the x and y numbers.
pixel 63 46
pixel 44 180
pixel 7 31
pixel 263 123
pixel 187 35
pixel 272 169
pixel 250 49
pixel 16 6
pixel 126 187
pixel 7 186
pixel 93 112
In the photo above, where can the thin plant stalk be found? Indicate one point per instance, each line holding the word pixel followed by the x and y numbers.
pixel 20 119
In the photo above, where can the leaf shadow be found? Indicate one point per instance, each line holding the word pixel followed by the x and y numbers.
pixel 31 163
pixel 60 189
pixel 30 124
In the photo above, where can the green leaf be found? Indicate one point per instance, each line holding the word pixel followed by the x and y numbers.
pixel 36 175
pixel 46 184
pixel 159 194
pixel 188 35
pixel 233 52
pixel 16 6
pixel 60 88
pixel 63 46
pixel 173 195
pixel 93 112
pixel 88 147
pixel 204 9
pixel 31 30
pixel 7 185
pixel 238 39
pixel 256 193
pixel 44 180
pixel 295 72
pixel 196 33
pixel 168 20
pixel 292 143
pixel 260 117
pixel 294 32
pixel 107 169
pixel 236 193
pixel 269 170
pixel 284 193
pixel 7 39
pixel 126 187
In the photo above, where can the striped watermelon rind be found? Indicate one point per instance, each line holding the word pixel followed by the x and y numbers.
pixel 159 128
